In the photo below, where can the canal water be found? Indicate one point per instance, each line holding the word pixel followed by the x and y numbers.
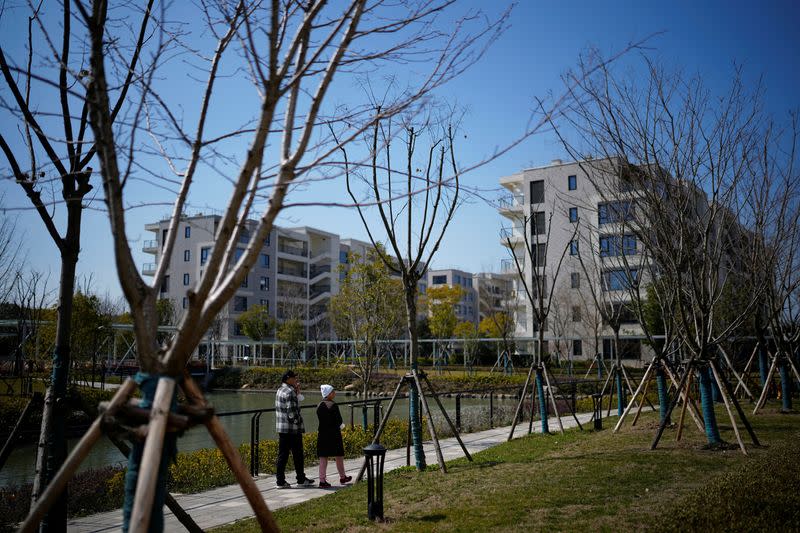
pixel 19 468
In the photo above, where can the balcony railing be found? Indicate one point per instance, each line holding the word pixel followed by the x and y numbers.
pixel 150 246
pixel 149 269
pixel 508 266
pixel 317 270
pixel 293 250
pixel 318 290
pixel 296 272
pixel 513 201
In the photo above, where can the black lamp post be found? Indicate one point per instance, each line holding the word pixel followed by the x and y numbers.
pixel 598 411
pixel 375 455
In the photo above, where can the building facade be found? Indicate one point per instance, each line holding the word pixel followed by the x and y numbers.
pixel 572 231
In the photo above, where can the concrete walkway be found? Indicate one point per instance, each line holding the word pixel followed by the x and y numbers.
pixel 228 504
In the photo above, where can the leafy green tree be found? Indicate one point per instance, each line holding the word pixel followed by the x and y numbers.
pixel 469 334
pixel 441 302
pixel 292 334
pixel 369 308
pixel 257 324
pixel 88 324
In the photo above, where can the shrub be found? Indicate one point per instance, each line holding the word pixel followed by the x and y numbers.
pixel 270 378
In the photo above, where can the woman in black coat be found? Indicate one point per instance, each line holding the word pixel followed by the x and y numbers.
pixel 329 436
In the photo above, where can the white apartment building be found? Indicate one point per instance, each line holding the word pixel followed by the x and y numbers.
pixel 563 216
pixel 295 276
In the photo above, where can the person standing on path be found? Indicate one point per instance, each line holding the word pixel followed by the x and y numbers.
pixel 329 437
pixel 290 429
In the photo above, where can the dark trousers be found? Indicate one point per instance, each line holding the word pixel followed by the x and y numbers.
pixel 290 442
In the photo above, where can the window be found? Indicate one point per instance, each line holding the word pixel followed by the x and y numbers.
pixel 239 304
pixel 266 241
pixel 619 280
pixel 573 247
pixel 187 232
pixel 264 260
pixel 469 282
pixel 539 254
pixel 537 192
pixel 237 254
pixel 186 279
pixel 536 324
pixel 576 313
pixel 629 244
pixel 457 279
pixel 537 223
pixel 244 282
pixel 619 211
pixel 264 302
pixel 187 254
pixel 575 280
pixel 185 302
pixel 616 245
pixel 577 347
pixel 263 284
pixel 343 257
pixel 165 284
pixel 572 182
pixel 439 280
pixel 573 214
pixel 204 255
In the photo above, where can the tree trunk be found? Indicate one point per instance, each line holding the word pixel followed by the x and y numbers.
pixel 540 382
pixel 663 394
pixel 56 518
pixel 413 396
pixel 618 363
pixel 707 403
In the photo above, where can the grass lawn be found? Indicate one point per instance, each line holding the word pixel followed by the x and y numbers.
pixel 584 481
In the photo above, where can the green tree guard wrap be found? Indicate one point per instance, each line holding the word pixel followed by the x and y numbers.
pixel 786 387
pixel 416 425
pixel 620 394
pixel 599 366
pixel 542 400
pixel 707 403
pixel 147 384
pixel 763 365
pixel 663 393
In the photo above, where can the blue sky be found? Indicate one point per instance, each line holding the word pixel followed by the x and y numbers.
pixel 544 41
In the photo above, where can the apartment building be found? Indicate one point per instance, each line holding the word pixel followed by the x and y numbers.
pixel 495 293
pixel 294 278
pixel 579 227
pixel 467 308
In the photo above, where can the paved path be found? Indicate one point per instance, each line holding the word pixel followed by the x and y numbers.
pixel 228 504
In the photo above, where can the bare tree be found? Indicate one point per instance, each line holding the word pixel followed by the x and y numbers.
pixel 537 280
pixel 291 52
pixel 54 151
pixel 687 156
pixel 428 193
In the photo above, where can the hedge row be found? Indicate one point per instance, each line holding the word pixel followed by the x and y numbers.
pixel 101 490
pixel 270 378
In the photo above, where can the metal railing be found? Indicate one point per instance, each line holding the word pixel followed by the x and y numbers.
pixel 511 201
pixel 255 423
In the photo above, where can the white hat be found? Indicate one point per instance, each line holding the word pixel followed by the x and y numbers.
pixel 325 390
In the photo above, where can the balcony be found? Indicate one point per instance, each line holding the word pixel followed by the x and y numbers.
pixel 149 269
pixel 290 249
pixel 290 271
pixel 511 206
pixel 150 247
pixel 511 234
pixel 316 271
pixel 508 266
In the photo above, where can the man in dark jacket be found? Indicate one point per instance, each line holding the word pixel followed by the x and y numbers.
pixel 289 426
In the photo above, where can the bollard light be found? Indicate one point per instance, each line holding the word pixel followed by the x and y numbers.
pixel 598 411
pixel 375 454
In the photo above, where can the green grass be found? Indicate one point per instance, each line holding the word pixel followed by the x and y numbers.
pixel 582 481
